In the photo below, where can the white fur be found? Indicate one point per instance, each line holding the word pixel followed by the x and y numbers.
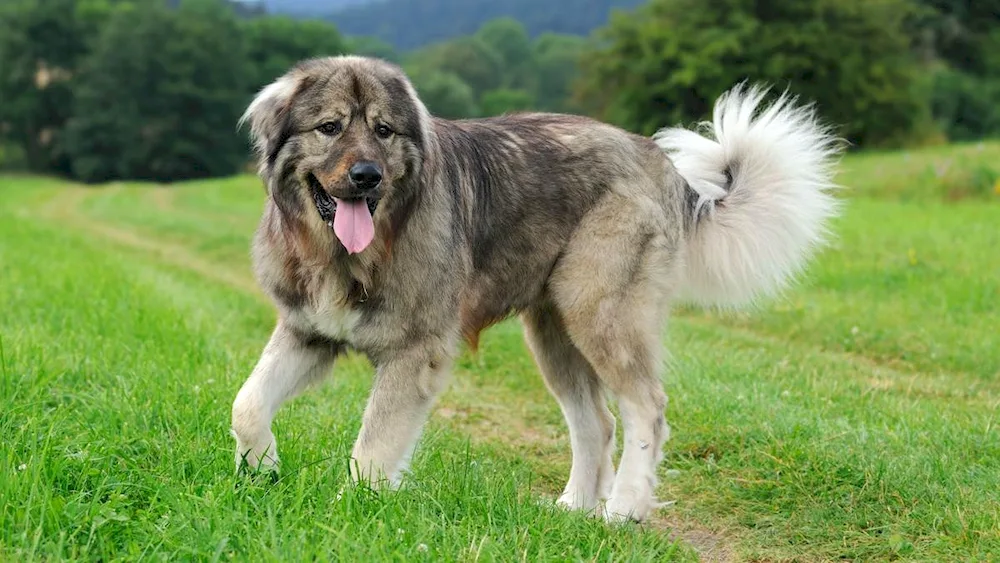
pixel 276 93
pixel 284 370
pixel 751 242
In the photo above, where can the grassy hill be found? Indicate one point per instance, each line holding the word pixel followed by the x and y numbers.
pixel 854 419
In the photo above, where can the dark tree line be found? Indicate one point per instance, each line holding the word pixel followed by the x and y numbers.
pixel 148 89
pixel 140 89
pixel 152 90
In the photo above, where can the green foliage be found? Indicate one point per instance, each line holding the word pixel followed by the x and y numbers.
pixel 498 102
pixel 667 62
pixel 85 93
pixel 275 44
pixel 502 68
pixel 151 107
pixel 966 106
pixel 470 58
pixel 963 40
pixel 105 89
pixel 964 33
pixel 373 47
pixel 409 24
pixel 557 60
pixel 41 44
pixel 509 40
pixel 444 93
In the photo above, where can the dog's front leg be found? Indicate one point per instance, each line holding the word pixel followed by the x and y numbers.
pixel 405 388
pixel 287 365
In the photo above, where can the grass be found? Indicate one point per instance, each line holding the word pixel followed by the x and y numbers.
pixel 854 419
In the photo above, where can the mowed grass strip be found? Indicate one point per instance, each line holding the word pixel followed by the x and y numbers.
pixel 118 372
pixel 856 418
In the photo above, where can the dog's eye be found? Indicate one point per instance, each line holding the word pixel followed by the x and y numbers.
pixel 330 128
pixel 383 131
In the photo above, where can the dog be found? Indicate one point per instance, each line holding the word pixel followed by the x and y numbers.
pixel 399 235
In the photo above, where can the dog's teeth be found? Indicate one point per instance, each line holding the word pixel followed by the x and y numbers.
pixel 329 224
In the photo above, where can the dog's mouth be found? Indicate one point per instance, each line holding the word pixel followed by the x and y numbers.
pixel 326 205
pixel 353 224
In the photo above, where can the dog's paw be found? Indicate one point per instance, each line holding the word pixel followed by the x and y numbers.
pixel 628 506
pixel 260 459
pixel 577 500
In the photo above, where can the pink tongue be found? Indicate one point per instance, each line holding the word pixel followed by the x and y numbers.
pixel 352 223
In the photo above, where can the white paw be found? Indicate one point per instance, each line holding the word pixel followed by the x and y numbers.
pixel 373 476
pixel 260 456
pixel 628 505
pixel 573 499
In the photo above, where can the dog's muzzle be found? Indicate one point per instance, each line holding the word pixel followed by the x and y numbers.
pixel 325 204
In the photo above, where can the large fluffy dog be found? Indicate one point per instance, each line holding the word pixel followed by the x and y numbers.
pixel 396 234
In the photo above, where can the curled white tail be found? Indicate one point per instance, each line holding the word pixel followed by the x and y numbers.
pixel 763 178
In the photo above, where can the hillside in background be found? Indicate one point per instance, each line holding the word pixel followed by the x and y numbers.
pixel 408 24
pixel 307 8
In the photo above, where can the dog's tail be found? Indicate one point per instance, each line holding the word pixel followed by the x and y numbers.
pixel 759 194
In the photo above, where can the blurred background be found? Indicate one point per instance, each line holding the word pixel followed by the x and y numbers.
pixel 102 90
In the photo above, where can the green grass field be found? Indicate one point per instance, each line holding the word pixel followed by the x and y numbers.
pixel 856 418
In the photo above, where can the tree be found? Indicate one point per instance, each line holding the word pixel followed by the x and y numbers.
pixel 961 41
pixel 409 24
pixel 41 45
pixel 159 97
pixel 276 43
pixel 498 102
pixel 509 40
pixel 557 60
pixel 964 105
pixel 666 63
pixel 965 33
pixel 444 93
pixel 477 64
pixel 373 47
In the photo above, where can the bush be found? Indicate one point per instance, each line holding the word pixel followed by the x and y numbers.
pixel 966 106
pixel 667 62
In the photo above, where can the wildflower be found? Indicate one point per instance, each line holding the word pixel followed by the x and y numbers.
pixel 996 187
pixel 22 467
pixel 422 548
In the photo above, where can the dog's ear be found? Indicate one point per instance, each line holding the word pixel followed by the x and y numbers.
pixel 269 116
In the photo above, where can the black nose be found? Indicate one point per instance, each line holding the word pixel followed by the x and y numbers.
pixel 365 175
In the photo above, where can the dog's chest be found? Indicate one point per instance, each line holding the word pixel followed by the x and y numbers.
pixel 328 313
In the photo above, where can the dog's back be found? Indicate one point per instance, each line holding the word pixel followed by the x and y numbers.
pixel 523 183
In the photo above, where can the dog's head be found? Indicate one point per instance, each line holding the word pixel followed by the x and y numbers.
pixel 339 138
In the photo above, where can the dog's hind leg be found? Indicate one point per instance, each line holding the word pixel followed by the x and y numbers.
pixel 611 287
pixel 287 366
pixel 576 387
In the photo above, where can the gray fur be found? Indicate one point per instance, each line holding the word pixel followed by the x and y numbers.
pixel 578 226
